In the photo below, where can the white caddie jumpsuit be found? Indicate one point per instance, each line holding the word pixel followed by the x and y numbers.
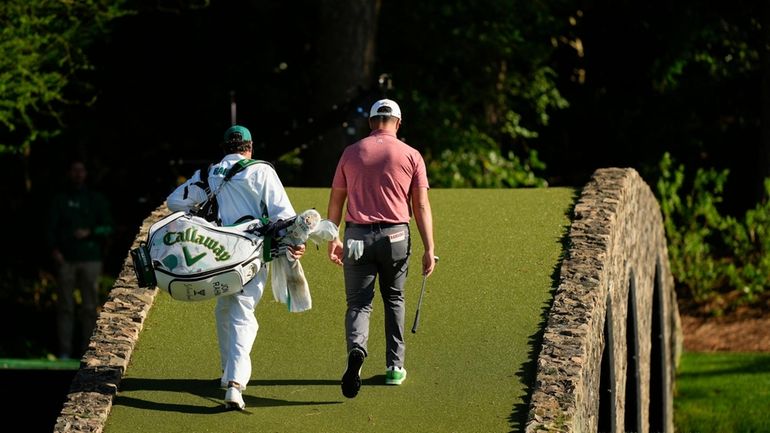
pixel 255 191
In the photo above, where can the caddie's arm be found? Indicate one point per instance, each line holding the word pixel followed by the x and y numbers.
pixel 186 195
pixel 337 198
pixel 424 219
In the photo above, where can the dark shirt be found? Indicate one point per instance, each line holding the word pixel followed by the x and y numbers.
pixel 79 209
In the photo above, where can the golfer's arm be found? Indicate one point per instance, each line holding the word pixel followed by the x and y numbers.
pixel 336 200
pixel 423 217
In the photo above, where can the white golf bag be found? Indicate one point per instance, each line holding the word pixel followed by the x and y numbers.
pixel 194 260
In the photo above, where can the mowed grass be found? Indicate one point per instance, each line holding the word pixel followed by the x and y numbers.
pixel 470 365
pixel 723 392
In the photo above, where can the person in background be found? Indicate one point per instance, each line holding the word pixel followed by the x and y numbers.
pixel 380 177
pixel 79 224
pixel 254 192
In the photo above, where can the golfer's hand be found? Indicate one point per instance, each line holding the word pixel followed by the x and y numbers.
pixel 81 233
pixel 428 263
pixel 295 252
pixel 336 251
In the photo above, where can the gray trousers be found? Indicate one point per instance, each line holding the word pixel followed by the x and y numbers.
pixel 385 255
pixel 83 276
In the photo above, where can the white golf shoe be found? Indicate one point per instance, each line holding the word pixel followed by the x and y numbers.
pixel 223 384
pixel 234 399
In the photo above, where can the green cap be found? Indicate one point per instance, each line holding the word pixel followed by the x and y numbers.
pixel 237 133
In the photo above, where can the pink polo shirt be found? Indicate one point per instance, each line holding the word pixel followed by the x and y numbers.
pixel 379 173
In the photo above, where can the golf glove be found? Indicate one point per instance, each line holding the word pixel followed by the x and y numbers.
pixel 355 248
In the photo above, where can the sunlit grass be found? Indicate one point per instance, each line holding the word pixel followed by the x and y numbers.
pixel 723 392
pixel 470 366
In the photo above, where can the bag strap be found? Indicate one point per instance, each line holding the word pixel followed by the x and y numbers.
pixel 240 165
pixel 203 183
pixel 237 167
pixel 211 196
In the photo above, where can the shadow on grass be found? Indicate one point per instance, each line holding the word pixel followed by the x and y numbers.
pixel 759 363
pixel 209 390
pixel 375 380
pixel 528 371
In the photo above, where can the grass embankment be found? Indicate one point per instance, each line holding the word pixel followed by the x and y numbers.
pixel 470 364
pixel 723 392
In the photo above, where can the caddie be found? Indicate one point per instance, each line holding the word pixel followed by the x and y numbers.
pixel 254 192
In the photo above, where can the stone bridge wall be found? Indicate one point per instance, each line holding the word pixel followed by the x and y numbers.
pixel 117 329
pixel 613 337
pixel 617 259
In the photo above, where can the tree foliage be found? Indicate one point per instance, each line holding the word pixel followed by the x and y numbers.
pixel 720 43
pixel 494 93
pixel 661 76
pixel 480 82
pixel 711 253
pixel 43 45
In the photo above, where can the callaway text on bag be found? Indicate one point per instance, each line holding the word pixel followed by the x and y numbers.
pixel 194 259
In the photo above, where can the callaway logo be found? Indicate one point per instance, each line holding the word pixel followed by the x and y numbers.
pixel 190 235
pixel 191 260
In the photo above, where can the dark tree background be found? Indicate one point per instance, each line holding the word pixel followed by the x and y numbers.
pixel 494 93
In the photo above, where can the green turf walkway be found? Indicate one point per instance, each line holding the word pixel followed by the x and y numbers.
pixel 470 364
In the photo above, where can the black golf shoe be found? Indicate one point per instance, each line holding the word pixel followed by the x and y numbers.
pixel 351 380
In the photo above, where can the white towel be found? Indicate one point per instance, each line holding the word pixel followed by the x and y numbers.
pixel 290 285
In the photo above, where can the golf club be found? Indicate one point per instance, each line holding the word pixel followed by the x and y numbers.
pixel 419 301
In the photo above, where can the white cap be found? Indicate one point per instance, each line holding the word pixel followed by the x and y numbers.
pixel 385 107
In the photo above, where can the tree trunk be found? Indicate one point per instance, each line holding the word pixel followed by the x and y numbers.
pixel 764 146
pixel 345 58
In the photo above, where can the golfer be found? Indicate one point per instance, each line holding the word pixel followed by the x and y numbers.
pixel 379 176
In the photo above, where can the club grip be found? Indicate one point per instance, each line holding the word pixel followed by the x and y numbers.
pixel 416 322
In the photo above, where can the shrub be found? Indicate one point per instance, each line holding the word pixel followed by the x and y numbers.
pixel 712 254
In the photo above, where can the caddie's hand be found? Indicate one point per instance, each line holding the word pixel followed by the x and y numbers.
pixel 428 263
pixel 296 251
pixel 335 251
